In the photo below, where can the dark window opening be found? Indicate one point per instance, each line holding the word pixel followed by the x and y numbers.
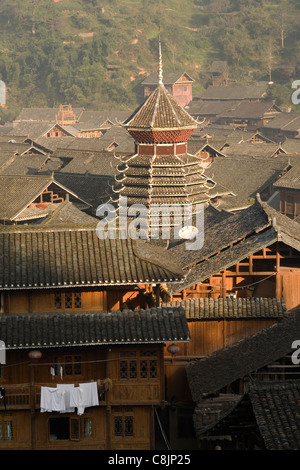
pixel 59 429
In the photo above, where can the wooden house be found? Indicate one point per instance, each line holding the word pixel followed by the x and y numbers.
pixel 247 394
pixel 62 292
pixel 249 114
pixel 120 354
pixel 219 73
pixel 289 189
pixel 127 316
pixel 255 92
pixel 237 113
pixel 253 253
pixel 178 84
pixel 284 126
pixel 30 199
pixel 245 278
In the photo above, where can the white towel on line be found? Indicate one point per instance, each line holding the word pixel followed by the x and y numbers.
pixel 52 399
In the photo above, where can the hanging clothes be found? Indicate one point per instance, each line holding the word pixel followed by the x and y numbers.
pixel 84 396
pixel 66 388
pixel 52 399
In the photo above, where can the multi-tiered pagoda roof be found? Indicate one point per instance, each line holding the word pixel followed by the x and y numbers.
pixel 161 172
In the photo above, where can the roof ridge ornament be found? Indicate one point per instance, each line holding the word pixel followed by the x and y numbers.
pixel 160 65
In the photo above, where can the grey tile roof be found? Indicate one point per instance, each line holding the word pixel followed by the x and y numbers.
pixel 247 149
pixel 284 121
pixel 276 406
pixel 231 309
pixel 17 192
pixel 73 255
pixel 244 177
pixel 235 92
pixel 97 119
pixel 155 325
pixel 270 409
pixel 43 114
pixel 93 188
pixel 208 108
pixel 33 130
pixel 291 179
pixel 250 110
pixel 67 213
pixel 25 165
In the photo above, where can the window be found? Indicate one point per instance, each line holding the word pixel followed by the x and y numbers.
pixel 68 365
pixel 138 364
pixel 73 365
pixel 67 300
pixel 123 422
pixel 69 428
pixel 6 428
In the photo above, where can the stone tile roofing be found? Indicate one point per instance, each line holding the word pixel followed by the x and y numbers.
pixel 43 114
pixel 73 255
pixel 235 92
pixel 207 108
pixel 231 309
pixel 155 325
pixel 291 179
pixel 160 111
pixel 270 409
pixel 224 366
pixel 251 175
pixel 251 110
pixel 247 149
pixel 92 188
pixel 17 192
pixel 285 122
pixel 276 406
pixel 26 165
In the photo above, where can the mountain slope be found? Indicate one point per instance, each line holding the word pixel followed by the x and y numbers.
pixel 95 53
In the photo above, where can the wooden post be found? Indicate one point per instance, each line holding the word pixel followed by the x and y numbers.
pixel 152 429
pixel 223 294
pixel 32 406
pixel 278 276
pixel 157 295
pixel 108 427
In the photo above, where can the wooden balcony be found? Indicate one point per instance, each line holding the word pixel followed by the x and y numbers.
pixel 23 396
pixel 17 397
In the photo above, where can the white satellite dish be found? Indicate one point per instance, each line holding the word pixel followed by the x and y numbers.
pixel 188 232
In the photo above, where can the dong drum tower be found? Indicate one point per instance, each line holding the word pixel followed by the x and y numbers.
pixel 161 173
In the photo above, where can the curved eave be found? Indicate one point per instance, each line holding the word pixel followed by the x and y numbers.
pixel 160 129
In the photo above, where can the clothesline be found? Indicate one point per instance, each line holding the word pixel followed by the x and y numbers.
pixel 65 398
pixel 51 363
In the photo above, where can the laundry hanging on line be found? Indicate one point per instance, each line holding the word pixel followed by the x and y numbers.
pixel 64 398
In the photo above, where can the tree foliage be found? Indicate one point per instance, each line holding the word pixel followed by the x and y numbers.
pixel 94 53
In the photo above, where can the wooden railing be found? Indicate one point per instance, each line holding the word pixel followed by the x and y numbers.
pixel 22 396
pixel 16 397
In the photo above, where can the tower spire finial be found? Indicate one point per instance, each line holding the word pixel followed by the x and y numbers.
pixel 160 67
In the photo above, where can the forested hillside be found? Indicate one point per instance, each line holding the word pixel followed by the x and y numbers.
pixel 96 53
